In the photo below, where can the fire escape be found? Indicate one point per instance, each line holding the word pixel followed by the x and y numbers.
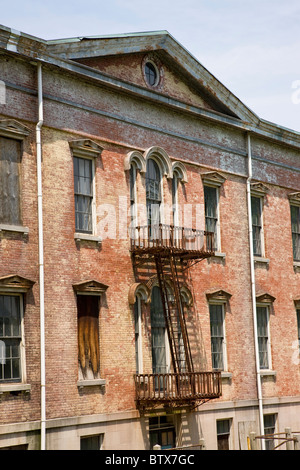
pixel 171 250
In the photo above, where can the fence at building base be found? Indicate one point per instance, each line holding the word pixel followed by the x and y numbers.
pixel 289 439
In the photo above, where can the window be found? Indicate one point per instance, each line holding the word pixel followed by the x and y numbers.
pixel 269 429
pixel 158 333
pixel 132 176
pixel 83 191
pixel 223 434
pixel 88 336
pixel 153 193
pixel 257 229
pixel 162 432
pixel 298 325
pixel 138 336
pixel 91 442
pixel 217 336
pixel 295 219
pixel 151 74
pixel 175 183
pixel 10 169
pixel 263 337
pixel 211 213
pixel 11 344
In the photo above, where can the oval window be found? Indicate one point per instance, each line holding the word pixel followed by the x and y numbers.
pixel 151 74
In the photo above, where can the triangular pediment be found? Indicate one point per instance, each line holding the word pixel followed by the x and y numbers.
pixel 90 287
pixel 220 295
pixel 265 297
pixel 15 283
pixel 182 76
pixel 213 178
pixel 14 129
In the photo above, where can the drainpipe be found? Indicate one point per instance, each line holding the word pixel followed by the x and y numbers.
pixel 41 255
pixel 253 292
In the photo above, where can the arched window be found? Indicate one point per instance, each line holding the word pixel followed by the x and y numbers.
pixel 153 192
pixel 132 177
pixel 158 333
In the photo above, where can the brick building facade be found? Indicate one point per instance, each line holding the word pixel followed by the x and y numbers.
pixel 135 132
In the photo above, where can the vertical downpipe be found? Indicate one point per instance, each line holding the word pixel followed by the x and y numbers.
pixel 253 292
pixel 41 255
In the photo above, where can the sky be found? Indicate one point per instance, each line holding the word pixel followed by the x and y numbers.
pixel 251 47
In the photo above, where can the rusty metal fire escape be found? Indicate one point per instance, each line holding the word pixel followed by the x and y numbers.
pixel 171 249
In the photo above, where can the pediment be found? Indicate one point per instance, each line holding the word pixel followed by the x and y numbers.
pixel 259 188
pixel 182 76
pixel 85 147
pixel 265 297
pixel 219 295
pixel 294 198
pixel 90 287
pixel 15 283
pixel 213 178
pixel 13 129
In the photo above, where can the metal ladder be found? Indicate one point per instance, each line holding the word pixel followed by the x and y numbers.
pixel 166 267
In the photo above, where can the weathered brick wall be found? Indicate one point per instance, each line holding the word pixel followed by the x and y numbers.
pixel 120 123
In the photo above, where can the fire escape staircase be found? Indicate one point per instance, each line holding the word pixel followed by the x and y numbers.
pixel 171 250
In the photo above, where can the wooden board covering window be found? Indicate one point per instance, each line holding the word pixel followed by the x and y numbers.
pixel 88 333
pixel 10 161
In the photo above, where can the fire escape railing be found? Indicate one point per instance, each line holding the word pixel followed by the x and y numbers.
pixel 178 239
pixel 182 388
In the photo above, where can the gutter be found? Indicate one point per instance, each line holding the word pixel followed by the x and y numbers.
pixel 41 255
pixel 253 293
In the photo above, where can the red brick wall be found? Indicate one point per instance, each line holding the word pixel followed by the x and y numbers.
pixel 120 123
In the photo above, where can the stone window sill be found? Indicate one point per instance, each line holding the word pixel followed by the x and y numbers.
pixel 226 375
pixel 90 383
pixel 296 265
pixel 267 372
pixel 218 254
pixel 87 237
pixel 261 259
pixel 14 228
pixel 14 387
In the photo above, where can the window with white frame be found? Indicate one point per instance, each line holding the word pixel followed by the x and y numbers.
pixel 217 332
pixel 138 335
pixel 298 326
pixel 211 197
pixel 84 194
pixel 11 339
pixel 85 153
pixel 263 336
pixel 153 193
pixel 257 226
pixel 295 221
pixel 133 202
pixel 212 182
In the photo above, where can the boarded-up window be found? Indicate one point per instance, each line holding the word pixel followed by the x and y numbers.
pixel 88 336
pixel 10 161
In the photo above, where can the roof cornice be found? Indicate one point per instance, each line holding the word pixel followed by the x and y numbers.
pixel 39 50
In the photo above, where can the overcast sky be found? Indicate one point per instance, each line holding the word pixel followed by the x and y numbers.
pixel 252 47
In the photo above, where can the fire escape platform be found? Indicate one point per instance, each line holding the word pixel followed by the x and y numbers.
pixel 171 248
